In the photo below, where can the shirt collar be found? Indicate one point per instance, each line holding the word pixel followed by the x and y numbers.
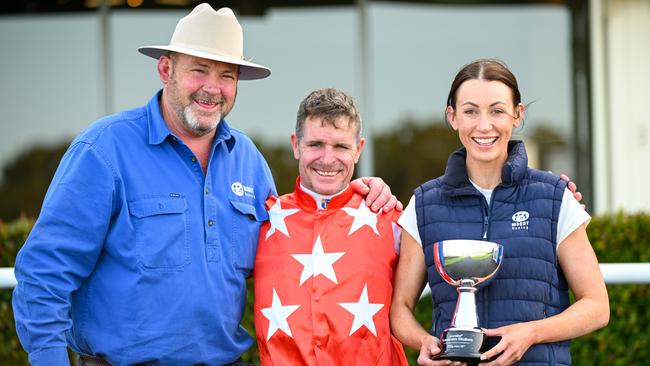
pixel 159 131
pixel 307 201
pixel 456 181
pixel 224 133
pixel 322 201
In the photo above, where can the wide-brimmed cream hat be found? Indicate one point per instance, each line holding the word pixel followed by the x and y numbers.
pixel 214 35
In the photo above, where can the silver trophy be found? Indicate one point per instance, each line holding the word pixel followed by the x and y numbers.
pixel 465 264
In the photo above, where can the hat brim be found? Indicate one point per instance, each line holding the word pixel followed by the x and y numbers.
pixel 247 70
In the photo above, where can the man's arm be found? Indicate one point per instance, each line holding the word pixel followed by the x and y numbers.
pixel 377 193
pixel 573 188
pixel 61 252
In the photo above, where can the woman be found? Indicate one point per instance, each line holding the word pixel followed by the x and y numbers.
pixel 489 193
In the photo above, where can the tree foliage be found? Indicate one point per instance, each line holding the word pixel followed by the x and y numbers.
pixel 412 154
pixel 25 181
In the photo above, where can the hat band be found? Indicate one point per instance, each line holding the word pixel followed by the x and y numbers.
pixel 208 50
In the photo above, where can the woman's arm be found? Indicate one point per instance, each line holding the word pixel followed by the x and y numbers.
pixel 589 312
pixel 410 278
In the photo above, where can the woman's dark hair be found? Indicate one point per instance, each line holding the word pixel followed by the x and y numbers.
pixel 484 69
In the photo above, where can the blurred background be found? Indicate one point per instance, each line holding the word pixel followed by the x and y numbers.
pixel 62 70
pixel 581 66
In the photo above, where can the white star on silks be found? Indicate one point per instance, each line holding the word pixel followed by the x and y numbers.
pixel 318 262
pixel 277 315
pixel 277 216
pixel 362 216
pixel 363 312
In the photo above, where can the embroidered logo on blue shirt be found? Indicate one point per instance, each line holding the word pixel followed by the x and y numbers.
pixel 520 220
pixel 241 190
pixel 237 188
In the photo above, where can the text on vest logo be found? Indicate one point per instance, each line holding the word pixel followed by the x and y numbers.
pixel 520 220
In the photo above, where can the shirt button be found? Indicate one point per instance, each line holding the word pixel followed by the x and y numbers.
pixel 210 222
pixel 207 190
pixel 317 298
pixel 193 159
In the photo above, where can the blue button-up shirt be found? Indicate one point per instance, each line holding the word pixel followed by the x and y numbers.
pixel 137 255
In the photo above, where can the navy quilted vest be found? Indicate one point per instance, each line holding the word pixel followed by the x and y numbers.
pixel 529 284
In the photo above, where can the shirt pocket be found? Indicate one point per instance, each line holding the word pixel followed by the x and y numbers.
pixel 246 230
pixel 161 233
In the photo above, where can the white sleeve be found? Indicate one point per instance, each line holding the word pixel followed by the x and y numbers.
pixel 397 236
pixel 409 221
pixel 572 215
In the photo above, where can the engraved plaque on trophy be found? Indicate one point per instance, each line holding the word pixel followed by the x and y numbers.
pixel 465 264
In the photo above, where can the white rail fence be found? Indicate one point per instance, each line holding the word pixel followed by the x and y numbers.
pixel 7 278
pixel 614 273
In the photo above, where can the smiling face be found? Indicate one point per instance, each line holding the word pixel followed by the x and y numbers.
pixel 327 152
pixel 484 116
pixel 197 92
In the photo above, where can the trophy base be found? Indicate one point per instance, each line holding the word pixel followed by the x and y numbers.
pixel 464 345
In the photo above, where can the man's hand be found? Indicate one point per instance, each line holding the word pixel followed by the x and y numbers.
pixel 573 188
pixel 377 193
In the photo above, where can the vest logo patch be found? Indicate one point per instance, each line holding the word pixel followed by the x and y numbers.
pixel 520 220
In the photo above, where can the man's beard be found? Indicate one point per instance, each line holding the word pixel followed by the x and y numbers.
pixel 192 123
pixel 190 120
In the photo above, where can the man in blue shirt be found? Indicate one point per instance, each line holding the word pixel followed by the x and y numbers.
pixel 150 225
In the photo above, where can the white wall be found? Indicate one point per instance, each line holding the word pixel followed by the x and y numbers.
pixel 621 75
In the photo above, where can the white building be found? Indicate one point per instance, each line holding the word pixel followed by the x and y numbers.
pixel 620 39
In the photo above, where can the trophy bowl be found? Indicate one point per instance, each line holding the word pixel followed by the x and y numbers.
pixel 465 264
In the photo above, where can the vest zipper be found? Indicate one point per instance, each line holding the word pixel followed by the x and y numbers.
pixel 485 227
pixel 486 216
pixel 485 322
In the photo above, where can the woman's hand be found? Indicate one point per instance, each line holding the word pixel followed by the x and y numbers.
pixel 431 346
pixel 516 339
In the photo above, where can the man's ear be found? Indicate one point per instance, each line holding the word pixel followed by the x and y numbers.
pixel 295 144
pixel 360 146
pixel 164 69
